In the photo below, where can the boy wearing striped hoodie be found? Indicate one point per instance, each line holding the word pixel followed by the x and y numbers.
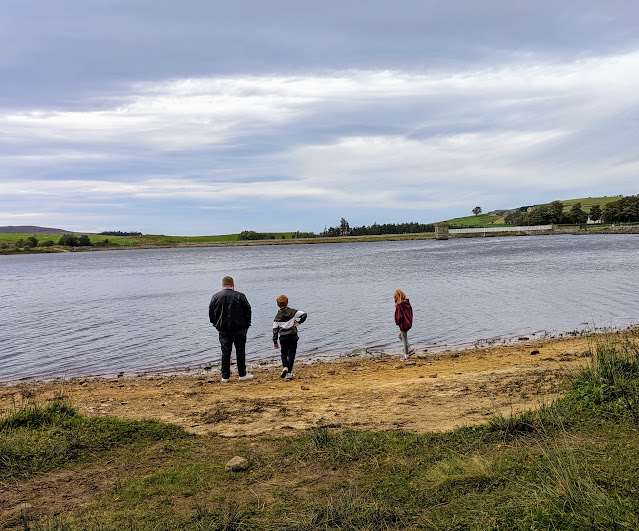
pixel 285 326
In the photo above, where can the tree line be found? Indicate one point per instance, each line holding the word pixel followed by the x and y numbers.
pixel 66 240
pixel 624 210
pixel 344 229
pixel 119 233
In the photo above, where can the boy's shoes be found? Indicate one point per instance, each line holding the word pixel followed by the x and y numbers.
pixel 411 351
pixel 284 372
pixel 224 380
pixel 247 376
pixel 404 358
pixel 290 376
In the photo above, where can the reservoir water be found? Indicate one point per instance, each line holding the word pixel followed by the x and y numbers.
pixel 136 311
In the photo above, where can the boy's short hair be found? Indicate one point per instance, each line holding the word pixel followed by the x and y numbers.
pixel 282 301
pixel 228 281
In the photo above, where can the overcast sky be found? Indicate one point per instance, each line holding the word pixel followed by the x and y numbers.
pixel 210 117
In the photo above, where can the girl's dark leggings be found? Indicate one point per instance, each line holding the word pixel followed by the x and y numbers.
pixel 288 348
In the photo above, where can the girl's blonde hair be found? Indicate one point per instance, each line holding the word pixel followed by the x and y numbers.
pixel 399 296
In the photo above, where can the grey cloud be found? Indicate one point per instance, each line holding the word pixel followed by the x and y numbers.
pixel 53 52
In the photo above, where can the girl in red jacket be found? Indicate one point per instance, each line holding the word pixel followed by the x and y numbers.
pixel 403 319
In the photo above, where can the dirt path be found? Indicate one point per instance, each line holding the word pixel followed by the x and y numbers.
pixel 431 393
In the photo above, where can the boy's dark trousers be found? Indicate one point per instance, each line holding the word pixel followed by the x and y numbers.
pixel 288 348
pixel 227 340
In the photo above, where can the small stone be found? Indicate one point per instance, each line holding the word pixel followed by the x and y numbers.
pixel 432 375
pixel 570 353
pixel 534 352
pixel 314 375
pixel 305 388
pixel 236 464
pixel 411 363
pixel 331 371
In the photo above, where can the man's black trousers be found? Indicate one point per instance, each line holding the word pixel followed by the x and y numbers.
pixel 227 340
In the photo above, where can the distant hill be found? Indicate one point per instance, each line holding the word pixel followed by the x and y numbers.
pixel 30 229
pixel 496 217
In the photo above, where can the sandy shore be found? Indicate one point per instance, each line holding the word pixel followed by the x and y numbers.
pixel 431 392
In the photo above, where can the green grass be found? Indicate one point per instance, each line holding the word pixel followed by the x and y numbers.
pixel 38 439
pixel 481 220
pixel 95 238
pixel 587 202
pixel 572 464
pixel 147 239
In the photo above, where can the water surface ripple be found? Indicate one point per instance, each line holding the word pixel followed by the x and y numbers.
pixel 100 313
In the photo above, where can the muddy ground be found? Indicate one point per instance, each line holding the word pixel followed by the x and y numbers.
pixel 432 392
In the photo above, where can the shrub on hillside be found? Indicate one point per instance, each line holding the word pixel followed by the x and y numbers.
pixel 68 240
pixel 84 241
pixel 252 235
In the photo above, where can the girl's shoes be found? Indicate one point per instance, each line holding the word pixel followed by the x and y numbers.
pixel 404 358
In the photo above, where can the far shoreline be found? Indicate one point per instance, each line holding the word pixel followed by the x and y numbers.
pixel 325 240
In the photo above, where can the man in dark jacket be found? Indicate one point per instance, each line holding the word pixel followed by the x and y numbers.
pixel 230 313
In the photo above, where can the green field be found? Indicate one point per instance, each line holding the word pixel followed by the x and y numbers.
pixel 587 202
pixel 573 464
pixel 146 239
pixel 481 220
pixel 8 241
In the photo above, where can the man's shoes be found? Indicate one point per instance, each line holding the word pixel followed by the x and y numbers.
pixel 290 376
pixel 284 372
pixel 224 380
pixel 247 376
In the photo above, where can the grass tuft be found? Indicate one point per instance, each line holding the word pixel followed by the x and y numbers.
pixel 610 384
pixel 39 439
